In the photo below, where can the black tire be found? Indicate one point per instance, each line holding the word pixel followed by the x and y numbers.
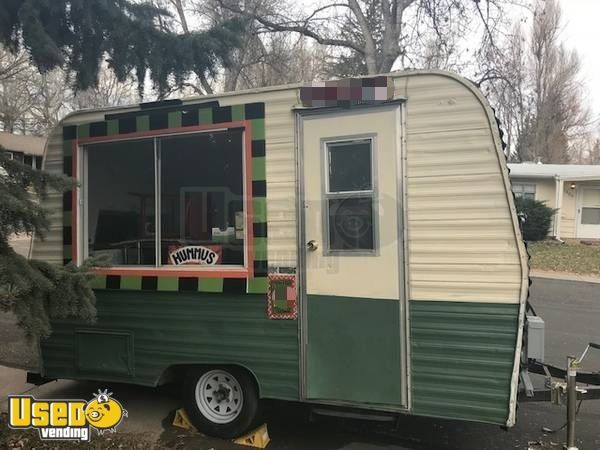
pixel 204 414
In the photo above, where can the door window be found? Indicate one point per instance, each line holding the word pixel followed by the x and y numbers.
pixel 350 196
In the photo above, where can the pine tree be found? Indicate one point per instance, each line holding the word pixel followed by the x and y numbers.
pixel 35 291
pixel 78 34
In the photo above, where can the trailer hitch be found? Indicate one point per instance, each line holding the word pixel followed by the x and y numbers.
pixel 561 383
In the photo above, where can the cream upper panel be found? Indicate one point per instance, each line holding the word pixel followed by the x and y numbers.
pixel 462 244
pixel 343 274
pixel 51 248
pixel 461 238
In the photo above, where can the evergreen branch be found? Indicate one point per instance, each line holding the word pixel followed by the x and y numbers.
pixel 78 35
pixel 35 291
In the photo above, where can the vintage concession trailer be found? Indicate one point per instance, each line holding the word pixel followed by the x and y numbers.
pixel 350 243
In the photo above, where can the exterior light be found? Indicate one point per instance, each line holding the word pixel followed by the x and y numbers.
pixel 573 185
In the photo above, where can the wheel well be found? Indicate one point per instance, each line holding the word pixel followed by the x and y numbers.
pixel 175 373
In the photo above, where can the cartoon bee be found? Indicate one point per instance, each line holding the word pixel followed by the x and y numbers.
pixel 104 413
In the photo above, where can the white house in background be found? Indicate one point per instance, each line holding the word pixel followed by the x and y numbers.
pixel 25 149
pixel 572 190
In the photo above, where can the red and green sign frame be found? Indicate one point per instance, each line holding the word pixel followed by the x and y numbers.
pixel 154 123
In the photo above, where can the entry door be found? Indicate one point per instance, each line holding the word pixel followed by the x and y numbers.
pixel 353 271
pixel 589 213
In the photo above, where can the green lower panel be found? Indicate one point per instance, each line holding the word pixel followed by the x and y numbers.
pixel 353 351
pixel 139 334
pixel 462 357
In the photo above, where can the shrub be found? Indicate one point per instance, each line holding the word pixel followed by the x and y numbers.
pixel 538 218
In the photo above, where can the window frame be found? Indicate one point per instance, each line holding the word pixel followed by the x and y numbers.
pixel 581 204
pixel 326 195
pixel 522 192
pixel 79 250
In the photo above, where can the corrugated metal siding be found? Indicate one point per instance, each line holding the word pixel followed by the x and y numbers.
pixel 460 220
pixel 462 359
pixel 51 248
pixel 179 328
pixel 281 178
pixel 461 239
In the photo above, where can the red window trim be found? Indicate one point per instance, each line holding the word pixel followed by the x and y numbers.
pixel 234 272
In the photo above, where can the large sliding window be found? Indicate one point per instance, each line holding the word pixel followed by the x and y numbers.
pixel 201 187
pixel 121 202
pixel 167 201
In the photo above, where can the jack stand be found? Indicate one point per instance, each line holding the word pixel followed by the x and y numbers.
pixel 572 365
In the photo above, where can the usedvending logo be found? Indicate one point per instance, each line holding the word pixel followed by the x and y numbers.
pixel 66 419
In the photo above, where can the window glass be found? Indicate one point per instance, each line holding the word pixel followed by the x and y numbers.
pixel 590 216
pixel 591 197
pixel 351 223
pixel 349 166
pixel 202 218
pixel 350 196
pixel 524 190
pixel 120 213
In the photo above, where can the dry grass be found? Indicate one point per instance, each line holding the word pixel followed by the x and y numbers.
pixel 568 257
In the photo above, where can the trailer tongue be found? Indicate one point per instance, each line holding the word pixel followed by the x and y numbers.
pixel 562 385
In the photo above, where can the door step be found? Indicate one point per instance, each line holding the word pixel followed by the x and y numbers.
pixel 353 414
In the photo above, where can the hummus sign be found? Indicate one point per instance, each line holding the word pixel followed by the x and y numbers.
pixel 195 254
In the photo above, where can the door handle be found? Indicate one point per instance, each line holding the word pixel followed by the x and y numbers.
pixel 312 245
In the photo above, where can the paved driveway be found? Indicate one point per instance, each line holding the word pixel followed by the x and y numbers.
pixel 572 314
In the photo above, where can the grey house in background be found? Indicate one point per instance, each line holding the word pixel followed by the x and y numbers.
pixel 572 190
pixel 28 150
pixel 25 149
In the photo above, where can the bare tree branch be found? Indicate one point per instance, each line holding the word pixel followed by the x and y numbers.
pixel 294 27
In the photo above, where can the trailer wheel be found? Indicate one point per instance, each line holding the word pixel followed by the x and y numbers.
pixel 221 401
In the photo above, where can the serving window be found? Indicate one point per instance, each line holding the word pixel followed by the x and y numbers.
pixel 172 201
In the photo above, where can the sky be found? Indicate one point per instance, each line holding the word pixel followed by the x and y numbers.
pixel 582 33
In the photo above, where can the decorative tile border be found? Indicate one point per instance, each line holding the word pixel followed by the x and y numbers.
pixel 183 116
pixel 282 296
pixel 69 138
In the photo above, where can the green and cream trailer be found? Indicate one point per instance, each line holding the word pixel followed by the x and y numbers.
pixel 352 243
